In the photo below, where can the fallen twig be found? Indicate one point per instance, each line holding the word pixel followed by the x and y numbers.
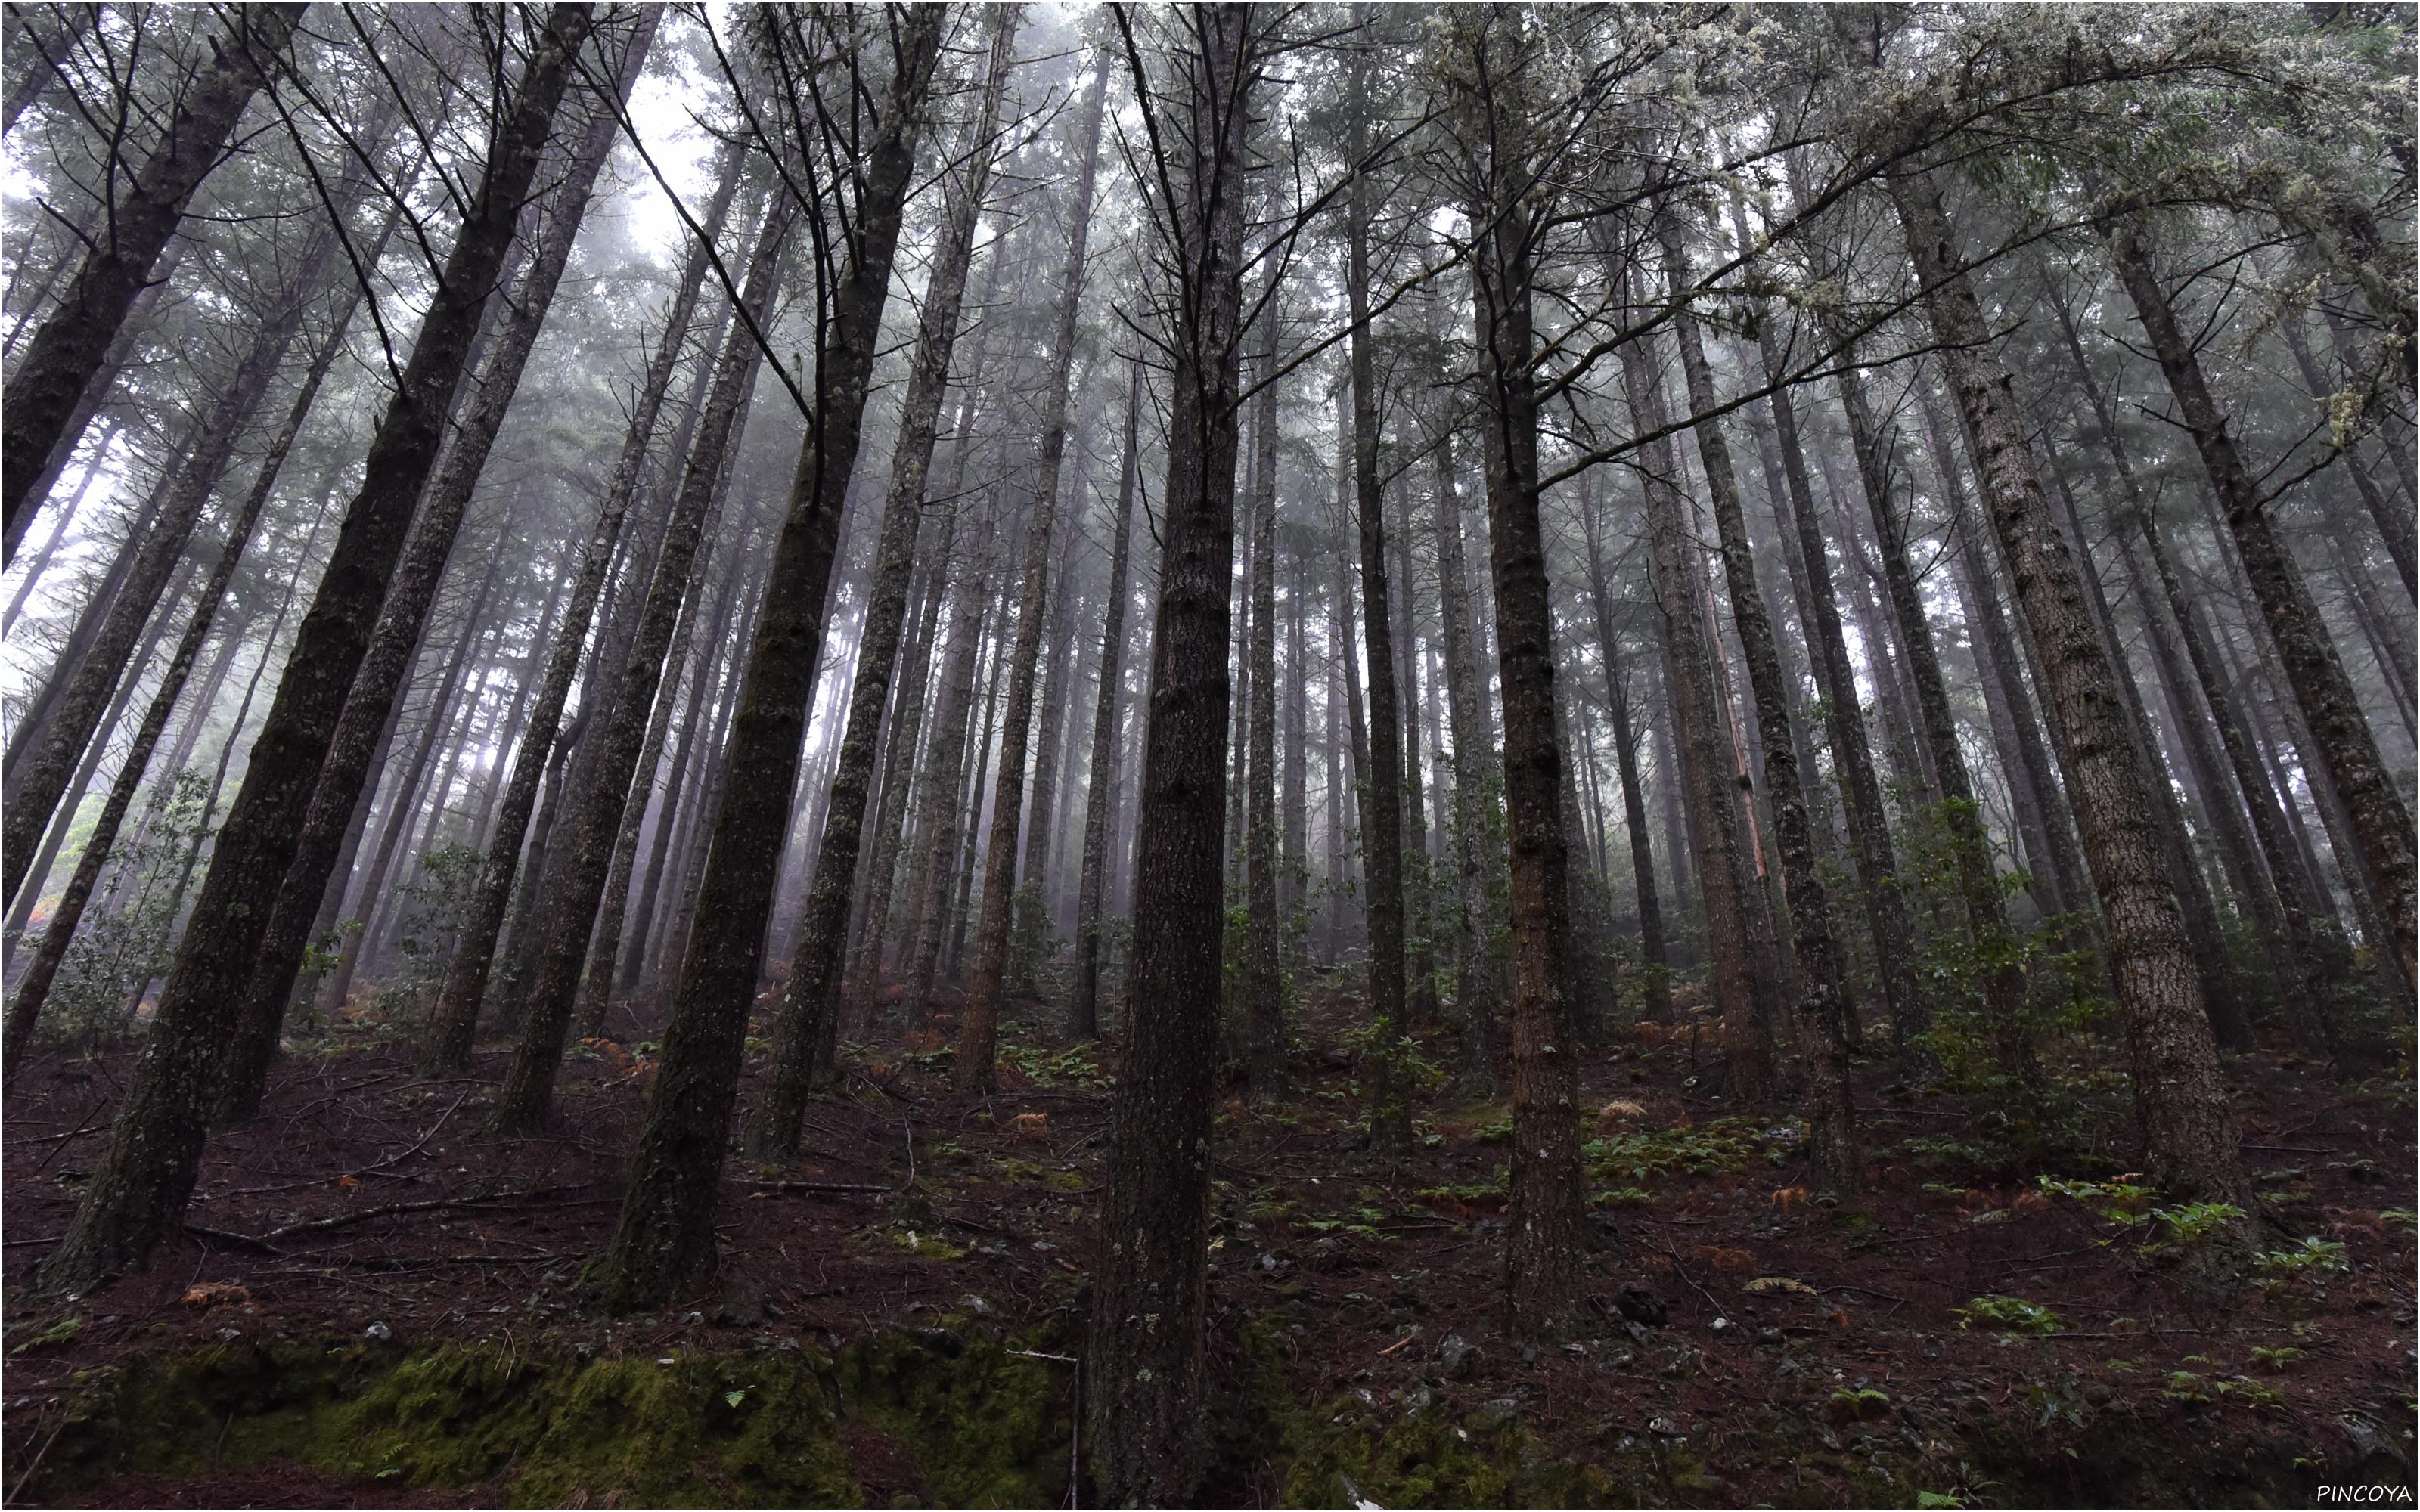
pixel 391 1209
pixel 367 1170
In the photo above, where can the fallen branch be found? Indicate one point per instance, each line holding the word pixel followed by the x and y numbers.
pixel 863 1188
pixel 367 1170
pixel 394 1210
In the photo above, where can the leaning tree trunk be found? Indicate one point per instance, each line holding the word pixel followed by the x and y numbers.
pixel 979 1026
pixel 31 990
pixel 1852 761
pixel 663 1239
pixel 1084 991
pixel 455 1020
pixel 2228 1017
pixel 2308 971
pixel 2188 1130
pixel 565 918
pixel 1745 989
pixel 75 20
pixel 1978 885
pixel 136 1197
pixel 350 758
pixel 1822 1003
pixel 58 739
pixel 2381 822
pixel 1144 1355
pixel 596 997
pixel 806 1034
pixel 65 358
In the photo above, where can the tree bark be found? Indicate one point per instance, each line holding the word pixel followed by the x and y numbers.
pixel 1263 971
pixel 979 1027
pixel 31 990
pixel 1543 1223
pixel 455 1020
pixel 1478 772
pixel 1143 1359
pixel 2188 1130
pixel 807 1030
pixel 55 743
pixel 346 765
pixel 1993 949
pixel 565 918
pixel 1745 988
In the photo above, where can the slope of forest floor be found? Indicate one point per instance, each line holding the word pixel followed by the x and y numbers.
pixel 362 1261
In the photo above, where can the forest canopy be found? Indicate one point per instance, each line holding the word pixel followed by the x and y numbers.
pixel 1542 599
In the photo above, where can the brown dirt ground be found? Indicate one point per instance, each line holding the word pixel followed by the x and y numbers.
pixel 367 1196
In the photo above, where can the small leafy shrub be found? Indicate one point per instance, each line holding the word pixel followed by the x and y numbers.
pixel 127 936
pixel 2009 1315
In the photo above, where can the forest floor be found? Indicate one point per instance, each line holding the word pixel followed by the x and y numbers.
pixel 1954 1333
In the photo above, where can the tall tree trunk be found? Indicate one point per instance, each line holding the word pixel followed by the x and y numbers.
pixel 979 1027
pixel 1543 1225
pixel 455 1020
pixel 1745 987
pixel 807 1029
pixel 66 356
pixel 2187 1127
pixel 53 746
pixel 663 1238
pixel 1389 1096
pixel 900 781
pixel 1143 1359
pixel 605 941
pixel 49 52
pixel 60 933
pixel 1477 771
pixel 1263 971
pixel 2309 966
pixel 136 1198
pixel 66 513
pixel 402 808
pixel 1101 779
pixel 1419 893
pixel 565 918
pixel 939 813
pixel 2221 998
pixel 1658 989
pixel 704 693
pixel 1822 1006
pixel 413 586
pixel 1994 948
